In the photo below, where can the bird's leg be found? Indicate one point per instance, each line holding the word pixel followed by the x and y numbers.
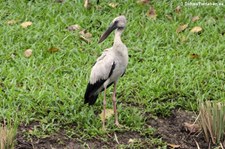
pixel 114 105
pixel 104 107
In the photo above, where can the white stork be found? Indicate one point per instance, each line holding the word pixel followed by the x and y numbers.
pixel 109 67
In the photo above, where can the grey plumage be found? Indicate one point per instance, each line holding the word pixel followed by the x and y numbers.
pixel 110 66
pixel 96 82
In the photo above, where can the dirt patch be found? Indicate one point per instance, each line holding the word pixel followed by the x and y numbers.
pixel 171 129
pixel 114 140
pixel 59 141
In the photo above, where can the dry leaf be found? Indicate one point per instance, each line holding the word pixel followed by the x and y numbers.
pixel 13 55
pixel 192 128
pixel 85 33
pixel 181 28
pixel 113 5
pixel 11 22
pixel 53 49
pixel 195 18
pixel 143 1
pixel 194 56
pixel 169 17
pixel 85 36
pixel 173 146
pixel 87 4
pixel 116 138
pixel 152 13
pixel 73 27
pixel 178 9
pixel 196 29
pixel 108 114
pixel 30 131
pixel 27 53
pixel 85 39
pixel 26 24
pixel 131 141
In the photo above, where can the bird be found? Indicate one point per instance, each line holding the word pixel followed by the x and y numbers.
pixel 108 68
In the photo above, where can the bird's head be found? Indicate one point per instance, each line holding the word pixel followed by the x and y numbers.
pixel 118 23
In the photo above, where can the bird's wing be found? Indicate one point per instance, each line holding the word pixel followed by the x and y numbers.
pixel 103 67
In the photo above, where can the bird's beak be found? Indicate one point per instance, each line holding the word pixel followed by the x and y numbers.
pixel 107 32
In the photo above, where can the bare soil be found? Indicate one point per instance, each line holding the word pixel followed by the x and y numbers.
pixel 171 129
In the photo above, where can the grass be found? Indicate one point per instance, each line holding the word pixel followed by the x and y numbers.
pixel 48 88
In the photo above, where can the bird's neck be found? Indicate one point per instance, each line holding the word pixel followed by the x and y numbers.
pixel 117 39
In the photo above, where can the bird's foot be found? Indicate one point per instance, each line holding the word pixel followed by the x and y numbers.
pixel 103 128
pixel 118 124
pixel 121 126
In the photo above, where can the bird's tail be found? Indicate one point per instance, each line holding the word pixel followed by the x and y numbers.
pixel 90 96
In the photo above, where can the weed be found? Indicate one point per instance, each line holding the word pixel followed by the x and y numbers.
pixel 212 120
pixel 7 136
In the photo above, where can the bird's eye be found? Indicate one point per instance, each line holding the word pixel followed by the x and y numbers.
pixel 116 22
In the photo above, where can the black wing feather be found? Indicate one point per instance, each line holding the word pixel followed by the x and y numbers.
pixel 91 94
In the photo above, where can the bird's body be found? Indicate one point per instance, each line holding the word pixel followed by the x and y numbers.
pixel 109 67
